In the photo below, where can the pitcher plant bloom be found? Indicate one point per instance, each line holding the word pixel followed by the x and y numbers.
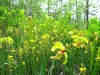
pixel 60 53
pixel 79 42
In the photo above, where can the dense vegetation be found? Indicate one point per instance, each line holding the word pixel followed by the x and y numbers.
pixel 47 44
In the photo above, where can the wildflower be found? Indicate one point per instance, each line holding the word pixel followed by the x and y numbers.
pixel 20 52
pixel 16 31
pixel 23 63
pixel 82 70
pixel 58 45
pixel 60 53
pixel 32 40
pixel 97 59
pixel 13 51
pixel 1 40
pixel 37 59
pixel 79 42
pixel 10 40
pixel 10 57
pixel 70 33
pixel 45 36
pixel 67 45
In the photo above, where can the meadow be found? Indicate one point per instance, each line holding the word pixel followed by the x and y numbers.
pixel 46 46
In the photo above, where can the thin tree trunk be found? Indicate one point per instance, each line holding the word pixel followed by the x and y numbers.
pixel 27 9
pixel 31 8
pixel 48 8
pixel 87 12
pixel 76 13
pixel 61 7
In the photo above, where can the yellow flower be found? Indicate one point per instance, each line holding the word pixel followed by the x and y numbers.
pixel 32 40
pixel 40 42
pixel 97 59
pixel 70 33
pixel 58 55
pixel 20 51
pixel 79 42
pixel 82 70
pixel 10 57
pixel 67 45
pixel 37 59
pixel 13 51
pixel 23 63
pixel 45 36
pixel 59 45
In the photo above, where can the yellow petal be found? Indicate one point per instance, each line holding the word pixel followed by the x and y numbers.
pixel 84 39
pixel 57 56
pixel 74 36
pixel 58 45
pixel 66 57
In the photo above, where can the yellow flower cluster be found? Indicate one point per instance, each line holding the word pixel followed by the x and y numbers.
pixel 77 32
pixel 8 40
pixel 13 51
pixel 10 57
pixel 23 63
pixel 20 51
pixel 82 70
pixel 79 42
pixel 45 36
pixel 32 40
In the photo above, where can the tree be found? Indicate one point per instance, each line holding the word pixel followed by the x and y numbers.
pixel 87 11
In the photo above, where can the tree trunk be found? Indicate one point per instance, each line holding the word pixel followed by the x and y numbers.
pixel 87 12
pixel 61 7
pixel 48 8
pixel 76 13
